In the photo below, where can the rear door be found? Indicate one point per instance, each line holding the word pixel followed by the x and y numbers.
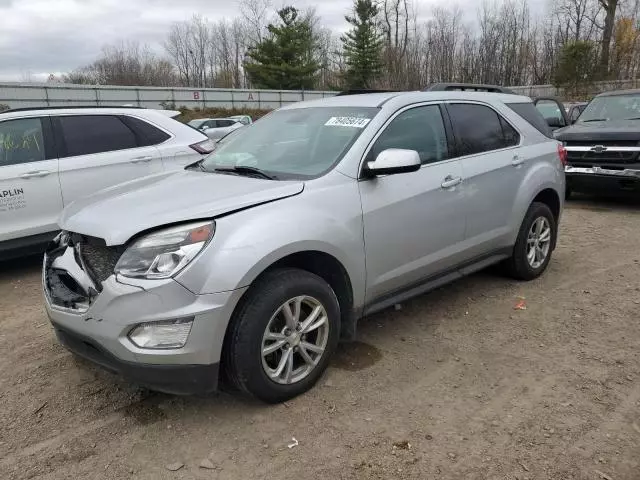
pixel 493 170
pixel 30 199
pixel 98 151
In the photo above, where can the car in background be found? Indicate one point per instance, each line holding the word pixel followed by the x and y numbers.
pixel 603 146
pixel 244 119
pixel 50 157
pixel 216 128
pixel 268 251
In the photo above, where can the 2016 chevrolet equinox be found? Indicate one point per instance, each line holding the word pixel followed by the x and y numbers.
pixel 259 258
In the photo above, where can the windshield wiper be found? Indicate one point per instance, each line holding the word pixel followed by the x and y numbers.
pixel 633 118
pixel 244 169
pixel 595 120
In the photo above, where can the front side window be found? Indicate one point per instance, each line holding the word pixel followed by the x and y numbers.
pixel 21 141
pixel 298 143
pixel 420 129
pixel 480 129
pixel 88 134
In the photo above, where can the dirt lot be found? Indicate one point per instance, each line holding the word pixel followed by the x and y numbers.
pixel 457 384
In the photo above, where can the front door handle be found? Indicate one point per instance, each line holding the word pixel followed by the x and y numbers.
pixel 450 181
pixel 36 174
pixel 517 160
pixel 143 159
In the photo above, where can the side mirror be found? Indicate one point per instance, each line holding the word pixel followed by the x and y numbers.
pixel 394 160
pixel 554 122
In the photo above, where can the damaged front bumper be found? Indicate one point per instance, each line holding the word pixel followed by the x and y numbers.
pixel 93 318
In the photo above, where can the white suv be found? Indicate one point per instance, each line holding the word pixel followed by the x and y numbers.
pixel 50 157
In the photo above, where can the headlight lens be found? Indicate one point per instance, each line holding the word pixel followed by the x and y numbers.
pixel 164 253
pixel 166 335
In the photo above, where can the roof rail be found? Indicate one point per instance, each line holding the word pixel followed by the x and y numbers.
pixel 467 87
pixel 27 109
pixel 363 91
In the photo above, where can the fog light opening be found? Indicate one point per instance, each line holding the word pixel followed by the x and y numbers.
pixel 161 335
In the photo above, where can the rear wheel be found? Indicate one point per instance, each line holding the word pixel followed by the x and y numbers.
pixel 283 335
pixel 535 242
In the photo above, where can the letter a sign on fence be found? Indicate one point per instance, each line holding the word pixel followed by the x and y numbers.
pixel 250 96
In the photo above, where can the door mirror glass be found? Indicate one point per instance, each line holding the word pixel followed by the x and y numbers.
pixel 554 122
pixel 394 160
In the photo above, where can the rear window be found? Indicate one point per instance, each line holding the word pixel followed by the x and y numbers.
pixel 531 114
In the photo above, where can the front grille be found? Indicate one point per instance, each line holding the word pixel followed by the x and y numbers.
pixel 593 158
pixel 100 260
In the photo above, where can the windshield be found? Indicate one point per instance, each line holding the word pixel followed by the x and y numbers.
pixel 299 143
pixel 614 107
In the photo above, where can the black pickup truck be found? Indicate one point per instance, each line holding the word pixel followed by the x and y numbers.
pixel 603 145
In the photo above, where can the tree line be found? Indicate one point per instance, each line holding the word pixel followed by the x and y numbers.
pixel 387 45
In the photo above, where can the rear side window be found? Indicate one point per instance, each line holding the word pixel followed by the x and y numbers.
pixel 87 134
pixel 532 115
pixel 225 123
pixel 146 133
pixel 21 141
pixel 480 129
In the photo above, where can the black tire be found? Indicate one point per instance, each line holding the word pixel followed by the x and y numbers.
pixel 242 355
pixel 518 266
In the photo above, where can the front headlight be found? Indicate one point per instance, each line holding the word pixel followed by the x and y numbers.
pixel 164 253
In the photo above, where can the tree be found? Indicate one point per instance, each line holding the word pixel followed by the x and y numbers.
pixel 125 64
pixel 610 7
pixel 363 45
pixel 575 66
pixel 285 59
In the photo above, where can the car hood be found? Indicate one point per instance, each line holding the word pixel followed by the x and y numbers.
pixel 118 213
pixel 606 131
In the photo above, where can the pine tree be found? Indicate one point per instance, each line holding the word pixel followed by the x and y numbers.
pixel 363 46
pixel 286 58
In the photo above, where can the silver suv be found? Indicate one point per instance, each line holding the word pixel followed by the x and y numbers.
pixel 257 260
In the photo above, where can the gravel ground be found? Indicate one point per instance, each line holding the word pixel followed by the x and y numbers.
pixel 456 384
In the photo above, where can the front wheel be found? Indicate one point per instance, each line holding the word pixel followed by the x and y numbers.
pixel 283 335
pixel 535 242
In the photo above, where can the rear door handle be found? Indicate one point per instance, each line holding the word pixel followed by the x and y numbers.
pixel 143 159
pixel 517 160
pixel 36 174
pixel 450 181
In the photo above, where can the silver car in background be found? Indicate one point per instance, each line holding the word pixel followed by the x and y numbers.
pixel 260 258
pixel 216 128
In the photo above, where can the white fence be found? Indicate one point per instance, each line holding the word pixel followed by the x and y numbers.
pixel 24 95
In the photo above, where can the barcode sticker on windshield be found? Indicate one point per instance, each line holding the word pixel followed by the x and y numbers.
pixel 348 122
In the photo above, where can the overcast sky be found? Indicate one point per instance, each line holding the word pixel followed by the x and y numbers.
pixel 39 37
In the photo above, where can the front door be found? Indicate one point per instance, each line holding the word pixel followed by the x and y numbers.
pixel 98 151
pixel 413 222
pixel 30 200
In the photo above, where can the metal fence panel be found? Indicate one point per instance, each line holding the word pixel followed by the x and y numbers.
pixel 17 95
